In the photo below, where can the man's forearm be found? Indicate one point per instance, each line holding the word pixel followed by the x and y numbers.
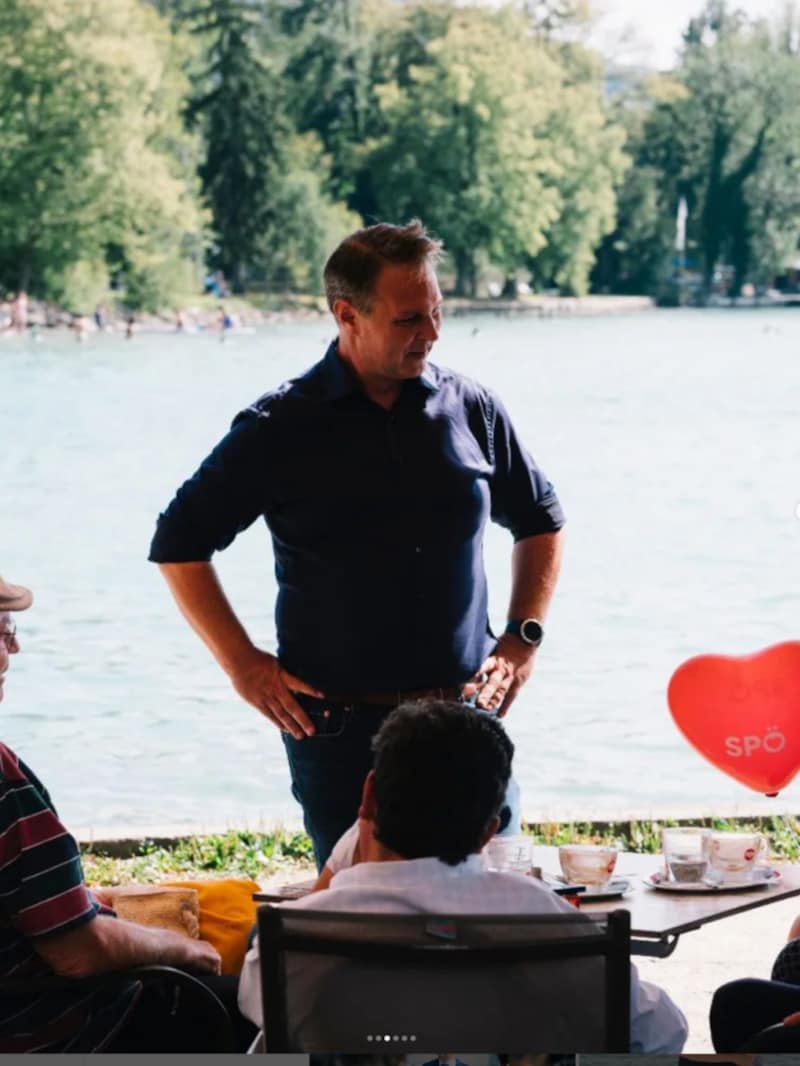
pixel 205 606
pixel 255 674
pixel 106 944
pixel 535 564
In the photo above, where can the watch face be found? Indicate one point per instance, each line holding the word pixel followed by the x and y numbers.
pixel 531 631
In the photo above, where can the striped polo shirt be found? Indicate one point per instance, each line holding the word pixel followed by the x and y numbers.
pixel 42 894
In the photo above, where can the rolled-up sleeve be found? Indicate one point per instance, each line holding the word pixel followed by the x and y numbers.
pixel 225 496
pixel 523 500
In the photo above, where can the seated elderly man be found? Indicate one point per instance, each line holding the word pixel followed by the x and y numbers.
pixel 428 807
pixel 50 923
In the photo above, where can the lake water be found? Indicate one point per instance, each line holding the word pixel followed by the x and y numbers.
pixel 671 436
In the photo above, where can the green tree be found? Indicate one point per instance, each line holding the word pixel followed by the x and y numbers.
pixel 506 154
pixel 330 73
pixel 462 150
pixel 587 149
pixel 95 168
pixel 730 143
pixel 238 105
pixel 636 257
pixel 268 184
pixel 340 52
pixel 311 224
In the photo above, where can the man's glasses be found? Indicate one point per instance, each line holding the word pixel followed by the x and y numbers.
pixel 8 636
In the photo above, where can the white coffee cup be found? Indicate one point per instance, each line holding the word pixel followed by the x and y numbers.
pixel 588 864
pixel 734 856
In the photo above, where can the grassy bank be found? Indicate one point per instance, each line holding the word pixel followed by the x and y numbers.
pixel 265 855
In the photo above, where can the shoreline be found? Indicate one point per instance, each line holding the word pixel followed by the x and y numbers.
pixel 203 318
pixel 127 843
pixel 199 319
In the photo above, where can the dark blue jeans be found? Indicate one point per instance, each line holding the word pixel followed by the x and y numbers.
pixel 740 1009
pixel 328 768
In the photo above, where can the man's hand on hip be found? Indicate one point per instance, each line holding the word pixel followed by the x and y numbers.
pixel 506 671
pixel 262 681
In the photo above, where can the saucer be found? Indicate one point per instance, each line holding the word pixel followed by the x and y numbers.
pixel 762 876
pixel 616 888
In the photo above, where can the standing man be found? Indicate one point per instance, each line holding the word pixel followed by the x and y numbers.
pixel 376 473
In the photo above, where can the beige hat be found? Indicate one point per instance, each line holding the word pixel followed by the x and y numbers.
pixel 14 597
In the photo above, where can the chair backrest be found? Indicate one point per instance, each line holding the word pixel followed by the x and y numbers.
pixel 345 982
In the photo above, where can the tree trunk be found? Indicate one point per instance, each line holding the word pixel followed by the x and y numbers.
pixel 239 277
pixel 736 213
pixel 25 270
pixel 712 219
pixel 466 280
pixel 740 249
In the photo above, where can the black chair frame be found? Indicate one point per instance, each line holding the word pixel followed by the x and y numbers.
pixel 613 945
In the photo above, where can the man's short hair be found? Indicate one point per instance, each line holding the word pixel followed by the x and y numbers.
pixel 353 269
pixel 441 773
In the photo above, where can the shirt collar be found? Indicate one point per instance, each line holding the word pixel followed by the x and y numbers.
pixel 337 380
pixel 404 871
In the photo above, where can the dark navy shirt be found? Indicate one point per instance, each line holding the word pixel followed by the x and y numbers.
pixel 377 520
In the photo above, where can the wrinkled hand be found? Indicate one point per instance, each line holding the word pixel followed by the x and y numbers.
pixel 199 955
pixel 506 671
pixel 263 682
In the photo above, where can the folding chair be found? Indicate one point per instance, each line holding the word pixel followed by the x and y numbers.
pixel 385 982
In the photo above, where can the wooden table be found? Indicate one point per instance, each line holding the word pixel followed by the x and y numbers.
pixel 658 918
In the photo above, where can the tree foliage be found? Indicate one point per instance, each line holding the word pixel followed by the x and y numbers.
pixel 140 138
pixel 489 141
pixel 727 138
pixel 95 166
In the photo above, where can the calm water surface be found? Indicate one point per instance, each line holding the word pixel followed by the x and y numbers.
pixel 671 437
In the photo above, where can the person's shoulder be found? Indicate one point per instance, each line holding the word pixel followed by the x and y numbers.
pixel 21 792
pixel 534 896
pixel 12 769
pixel 285 399
pixel 458 386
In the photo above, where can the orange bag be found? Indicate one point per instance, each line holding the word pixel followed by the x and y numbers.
pixel 227 914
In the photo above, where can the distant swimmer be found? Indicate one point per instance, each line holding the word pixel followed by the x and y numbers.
pixel 101 318
pixel 19 312
pixel 80 326
pixel 227 322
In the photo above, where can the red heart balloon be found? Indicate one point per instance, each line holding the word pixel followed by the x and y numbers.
pixel 742 713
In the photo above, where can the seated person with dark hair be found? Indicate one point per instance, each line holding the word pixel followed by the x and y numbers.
pixel 50 923
pixel 744 1007
pixel 428 807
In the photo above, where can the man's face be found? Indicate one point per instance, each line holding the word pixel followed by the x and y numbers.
pixel 8 645
pixel 393 339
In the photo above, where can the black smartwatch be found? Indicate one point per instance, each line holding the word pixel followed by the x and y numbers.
pixel 528 630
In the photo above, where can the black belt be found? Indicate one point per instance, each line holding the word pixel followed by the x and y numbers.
pixel 393 699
